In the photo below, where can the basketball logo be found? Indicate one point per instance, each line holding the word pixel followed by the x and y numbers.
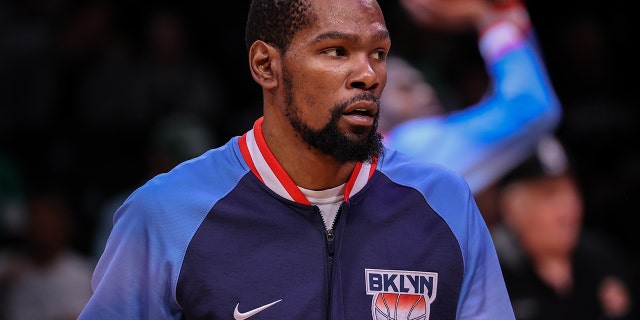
pixel 401 294
pixel 394 306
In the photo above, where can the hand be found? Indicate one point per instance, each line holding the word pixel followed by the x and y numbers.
pixel 459 15
pixel 447 14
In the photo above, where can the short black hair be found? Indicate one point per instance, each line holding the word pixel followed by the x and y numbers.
pixel 277 21
pixel 549 159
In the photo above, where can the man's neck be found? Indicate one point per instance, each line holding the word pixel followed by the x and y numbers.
pixel 306 166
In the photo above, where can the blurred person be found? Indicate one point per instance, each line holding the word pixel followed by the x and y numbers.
pixel 136 81
pixel 482 141
pixel 28 83
pixel 108 89
pixel 12 199
pixel 554 267
pixel 175 79
pixel 307 215
pixel 44 277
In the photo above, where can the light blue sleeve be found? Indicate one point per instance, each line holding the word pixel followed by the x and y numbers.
pixel 133 279
pixel 137 274
pixel 484 141
pixel 483 293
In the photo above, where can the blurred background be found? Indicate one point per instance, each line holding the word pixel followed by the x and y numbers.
pixel 97 96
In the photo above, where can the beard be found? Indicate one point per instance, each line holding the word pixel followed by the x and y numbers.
pixel 360 145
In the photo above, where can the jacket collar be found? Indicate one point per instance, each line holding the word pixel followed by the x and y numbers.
pixel 264 165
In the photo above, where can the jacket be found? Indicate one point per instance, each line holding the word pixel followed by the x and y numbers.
pixel 228 235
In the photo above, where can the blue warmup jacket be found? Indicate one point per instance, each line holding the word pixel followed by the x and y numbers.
pixel 228 235
pixel 484 141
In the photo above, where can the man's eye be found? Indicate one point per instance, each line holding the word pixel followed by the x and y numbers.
pixel 380 55
pixel 336 52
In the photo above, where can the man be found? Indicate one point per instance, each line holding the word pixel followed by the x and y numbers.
pixel 483 141
pixel 553 266
pixel 306 216
pixel 44 276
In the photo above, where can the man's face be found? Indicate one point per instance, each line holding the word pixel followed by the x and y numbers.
pixel 333 75
pixel 547 214
pixel 407 94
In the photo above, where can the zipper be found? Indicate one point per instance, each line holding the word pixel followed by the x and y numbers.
pixel 331 246
pixel 330 243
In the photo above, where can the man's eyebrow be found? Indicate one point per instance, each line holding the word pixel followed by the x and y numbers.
pixel 339 35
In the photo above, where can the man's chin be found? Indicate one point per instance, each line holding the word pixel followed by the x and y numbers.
pixel 357 132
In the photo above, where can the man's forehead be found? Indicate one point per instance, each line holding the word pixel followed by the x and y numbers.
pixel 339 18
pixel 339 11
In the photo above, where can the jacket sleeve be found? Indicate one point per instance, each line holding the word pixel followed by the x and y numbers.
pixel 133 278
pixel 520 107
pixel 485 140
pixel 138 272
pixel 483 294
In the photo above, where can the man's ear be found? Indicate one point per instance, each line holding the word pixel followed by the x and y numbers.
pixel 264 62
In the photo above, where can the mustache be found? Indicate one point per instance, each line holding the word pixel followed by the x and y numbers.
pixel 363 96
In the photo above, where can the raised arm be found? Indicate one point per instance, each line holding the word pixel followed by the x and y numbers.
pixel 485 140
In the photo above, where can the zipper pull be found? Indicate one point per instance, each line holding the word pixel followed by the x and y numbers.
pixel 330 235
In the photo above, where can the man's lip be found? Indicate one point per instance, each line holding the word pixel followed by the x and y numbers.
pixel 363 107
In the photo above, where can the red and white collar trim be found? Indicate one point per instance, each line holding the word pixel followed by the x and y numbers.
pixel 265 166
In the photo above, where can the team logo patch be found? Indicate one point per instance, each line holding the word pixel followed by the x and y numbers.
pixel 399 294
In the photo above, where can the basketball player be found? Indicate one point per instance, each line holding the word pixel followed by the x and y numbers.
pixel 306 215
pixel 485 140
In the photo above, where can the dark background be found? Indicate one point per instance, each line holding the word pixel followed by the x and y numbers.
pixel 82 86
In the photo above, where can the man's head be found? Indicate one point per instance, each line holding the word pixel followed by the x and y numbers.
pixel 321 64
pixel 407 95
pixel 49 225
pixel 277 21
pixel 541 202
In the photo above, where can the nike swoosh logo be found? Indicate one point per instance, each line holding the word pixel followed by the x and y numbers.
pixel 237 315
